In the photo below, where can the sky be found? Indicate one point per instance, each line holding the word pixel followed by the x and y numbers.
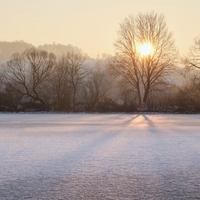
pixel 92 24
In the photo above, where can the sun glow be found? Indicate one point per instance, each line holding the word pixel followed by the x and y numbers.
pixel 146 49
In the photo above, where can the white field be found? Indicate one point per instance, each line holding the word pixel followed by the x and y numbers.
pixel 97 156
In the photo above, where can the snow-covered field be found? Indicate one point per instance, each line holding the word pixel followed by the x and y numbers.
pixel 97 156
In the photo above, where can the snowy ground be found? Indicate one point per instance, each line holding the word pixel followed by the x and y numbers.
pixel 96 156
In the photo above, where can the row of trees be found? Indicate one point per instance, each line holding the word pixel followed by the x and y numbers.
pixel 37 79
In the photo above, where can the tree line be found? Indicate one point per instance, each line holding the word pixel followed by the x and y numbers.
pixel 160 81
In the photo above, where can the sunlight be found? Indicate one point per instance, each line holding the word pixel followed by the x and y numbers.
pixel 146 49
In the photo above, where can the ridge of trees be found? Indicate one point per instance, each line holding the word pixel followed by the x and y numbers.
pixel 7 49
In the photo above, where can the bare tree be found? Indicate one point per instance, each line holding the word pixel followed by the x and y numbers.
pixel 28 74
pixel 188 96
pixel 61 87
pixel 193 59
pixel 144 72
pixel 97 86
pixel 75 72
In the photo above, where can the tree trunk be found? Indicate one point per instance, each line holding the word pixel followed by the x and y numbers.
pixel 74 100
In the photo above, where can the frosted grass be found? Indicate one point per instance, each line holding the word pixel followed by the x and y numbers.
pixel 96 156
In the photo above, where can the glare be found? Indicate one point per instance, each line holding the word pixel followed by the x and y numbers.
pixel 146 49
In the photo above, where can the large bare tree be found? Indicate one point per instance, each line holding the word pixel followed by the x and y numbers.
pixel 144 72
pixel 28 74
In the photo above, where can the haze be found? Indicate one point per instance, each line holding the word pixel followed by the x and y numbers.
pixel 91 25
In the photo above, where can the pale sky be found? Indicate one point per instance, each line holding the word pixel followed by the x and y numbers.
pixel 92 24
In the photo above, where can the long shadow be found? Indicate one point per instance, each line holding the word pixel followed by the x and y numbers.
pixel 162 154
pixel 130 121
pixel 149 122
pixel 73 160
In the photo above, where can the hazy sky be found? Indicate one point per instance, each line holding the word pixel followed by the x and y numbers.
pixel 92 24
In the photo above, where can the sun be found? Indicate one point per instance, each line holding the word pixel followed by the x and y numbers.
pixel 146 49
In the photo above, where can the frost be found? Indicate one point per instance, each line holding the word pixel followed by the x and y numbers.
pixel 96 156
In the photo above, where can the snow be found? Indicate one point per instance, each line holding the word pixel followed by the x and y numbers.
pixel 99 156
